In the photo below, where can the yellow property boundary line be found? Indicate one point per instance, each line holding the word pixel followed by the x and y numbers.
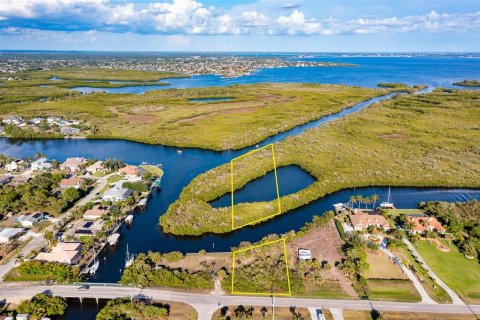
pixel 286 267
pixel 276 186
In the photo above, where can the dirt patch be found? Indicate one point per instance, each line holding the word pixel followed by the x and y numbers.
pixel 324 243
pixel 438 244
pixel 133 118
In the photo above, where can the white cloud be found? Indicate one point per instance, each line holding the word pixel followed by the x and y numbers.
pixel 192 17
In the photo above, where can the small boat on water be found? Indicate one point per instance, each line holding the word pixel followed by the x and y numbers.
pixel 179 151
pixel 129 258
pixel 93 269
pixel 387 204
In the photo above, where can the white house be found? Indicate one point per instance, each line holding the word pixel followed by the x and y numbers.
pixel 12 166
pixel 40 164
pixel 116 194
pixel 9 233
pixel 13 120
pixel 27 221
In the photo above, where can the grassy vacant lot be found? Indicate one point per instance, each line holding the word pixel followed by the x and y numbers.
pixel 238 312
pixel 405 141
pixel 459 273
pixel 381 267
pixel 392 290
pixel 386 281
pixel 435 292
pixel 390 315
pixel 167 117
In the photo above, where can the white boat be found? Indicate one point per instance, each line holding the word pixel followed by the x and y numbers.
pixel 129 219
pixel 179 151
pixel 387 204
pixel 93 269
pixel 129 258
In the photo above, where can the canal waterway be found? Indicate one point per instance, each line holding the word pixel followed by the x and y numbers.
pixel 181 167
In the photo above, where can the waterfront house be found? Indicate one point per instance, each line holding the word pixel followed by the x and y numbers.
pixel 27 221
pixel 85 228
pixel 73 164
pixel 130 171
pixel 70 131
pixel 13 120
pixel 72 182
pixel 422 223
pixel 116 194
pixel 96 213
pixel 36 120
pixel 363 220
pixel 63 252
pixel 5 180
pixel 2 131
pixel 40 164
pixel 12 166
pixel 22 316
pixel 96 167
pixel 10 233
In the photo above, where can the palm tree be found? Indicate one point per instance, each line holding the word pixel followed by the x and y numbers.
pixel 352 200
pixel 367 202
pixel 374 197
pixel 359 199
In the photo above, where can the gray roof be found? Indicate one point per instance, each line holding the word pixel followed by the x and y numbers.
pixel 117 192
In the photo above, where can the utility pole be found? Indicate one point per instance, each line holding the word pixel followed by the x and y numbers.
pixel 273 307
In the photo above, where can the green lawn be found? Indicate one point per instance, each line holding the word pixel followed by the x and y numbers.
pixel 156 171
pixel 392 290
pixel 458 272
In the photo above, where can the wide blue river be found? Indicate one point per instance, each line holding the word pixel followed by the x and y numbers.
pixel 181 168
pixel 437 70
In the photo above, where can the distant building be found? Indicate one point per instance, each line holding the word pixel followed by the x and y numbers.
pixel 73 164
pixel 72 182
pixel 364 220
pixel 13 120
pixel 70 131
pixel 422 223
pixel 40 164
pixel 36 120
pixel 96 213
pixel 5 180
pixel 10 233
pixel 96 167
pixel 2 131
pixel 22 316
pixel 116 194
pixel 63 252
pixel 27 221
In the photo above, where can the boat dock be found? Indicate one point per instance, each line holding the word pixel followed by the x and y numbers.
pixel 113 239
pixel 129 219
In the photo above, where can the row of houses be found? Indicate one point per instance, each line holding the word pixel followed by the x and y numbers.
pixel 419 223
pixel 67 127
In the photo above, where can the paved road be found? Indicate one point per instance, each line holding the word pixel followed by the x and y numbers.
pixel 423 293
pixel 38 240
pixel 206 304
pixel 455 298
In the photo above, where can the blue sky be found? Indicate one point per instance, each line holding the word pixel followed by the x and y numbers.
pixel 241 25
